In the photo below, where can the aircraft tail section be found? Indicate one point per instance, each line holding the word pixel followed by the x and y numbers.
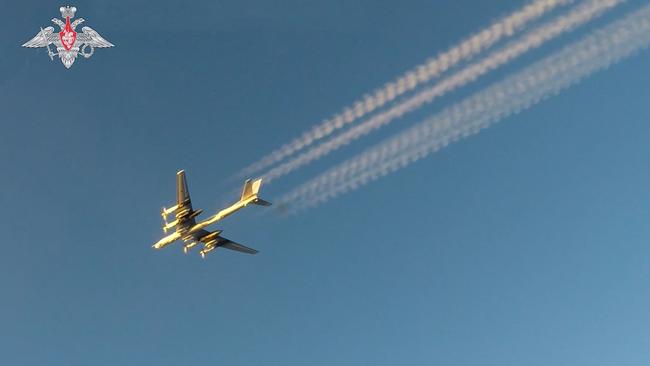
pixel 182 193
pixel 250 191
pixel 248 196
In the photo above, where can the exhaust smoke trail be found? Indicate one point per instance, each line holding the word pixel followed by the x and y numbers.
pixel 533 39
pixel 537 82
pixel 506 27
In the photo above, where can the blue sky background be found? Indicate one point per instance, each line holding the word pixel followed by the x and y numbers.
pixel 526 244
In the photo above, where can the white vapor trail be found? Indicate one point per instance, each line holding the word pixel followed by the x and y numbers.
pixel 580 15
pixel 503 28
pixel 537 82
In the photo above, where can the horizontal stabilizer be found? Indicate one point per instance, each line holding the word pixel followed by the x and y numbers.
pixel 237 247
pixel 261 202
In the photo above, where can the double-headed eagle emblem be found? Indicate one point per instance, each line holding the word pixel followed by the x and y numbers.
pixel 69 44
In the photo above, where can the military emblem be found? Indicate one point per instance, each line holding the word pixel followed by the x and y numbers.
pixel 69 44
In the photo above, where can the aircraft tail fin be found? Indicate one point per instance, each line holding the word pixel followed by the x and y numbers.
pixel 251 189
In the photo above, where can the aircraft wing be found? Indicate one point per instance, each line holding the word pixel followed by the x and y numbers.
pixel 183 208
pixel 229 244
pixel 182 193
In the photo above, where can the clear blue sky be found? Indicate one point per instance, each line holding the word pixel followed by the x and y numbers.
pixel 524 245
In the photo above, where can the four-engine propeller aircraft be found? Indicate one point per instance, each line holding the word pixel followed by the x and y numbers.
pixel 191 232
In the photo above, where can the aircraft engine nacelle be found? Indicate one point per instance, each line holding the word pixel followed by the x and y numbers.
pixel 189 246
pixel 183 213
pixel 167 211
pixel 207 249
pixel 195 214
pixel 170 225
pixel 210 237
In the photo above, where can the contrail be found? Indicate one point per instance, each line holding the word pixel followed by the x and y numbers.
pixel 537 82
pixel 533 39
pixel 505 27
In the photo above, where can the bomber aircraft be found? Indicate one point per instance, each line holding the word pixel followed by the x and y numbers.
pixel 191 232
